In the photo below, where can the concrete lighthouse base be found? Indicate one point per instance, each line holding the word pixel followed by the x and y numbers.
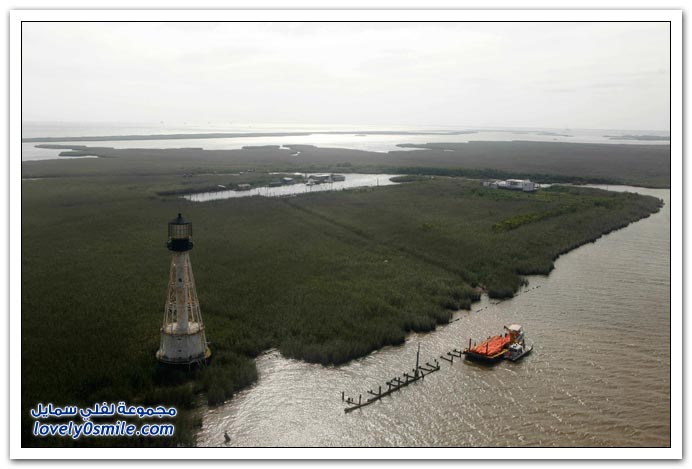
pixel 183 349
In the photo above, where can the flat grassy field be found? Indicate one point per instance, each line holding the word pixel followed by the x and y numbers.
pixel 323 277
pixel 639 165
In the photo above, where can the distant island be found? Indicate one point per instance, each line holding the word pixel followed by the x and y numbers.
pixel 261 147
pixel 650 138
pixel 113 138
pixel 543 133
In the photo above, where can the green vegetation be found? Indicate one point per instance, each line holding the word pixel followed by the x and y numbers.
pixel 410 178
pixel 546 162
pixel 324 277
pixel 519 220
pixel 639 165
pixel 196 184
pixel 77 153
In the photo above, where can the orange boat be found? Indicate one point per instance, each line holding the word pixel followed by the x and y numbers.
pixel 495 348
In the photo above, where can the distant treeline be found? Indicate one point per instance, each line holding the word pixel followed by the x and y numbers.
pixel 114 138
pixel 488 173
pixel 652 138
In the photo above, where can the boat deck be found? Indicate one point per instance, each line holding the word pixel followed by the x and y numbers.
pixel 492 347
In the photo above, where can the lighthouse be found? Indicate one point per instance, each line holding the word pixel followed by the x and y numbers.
pixel 182 334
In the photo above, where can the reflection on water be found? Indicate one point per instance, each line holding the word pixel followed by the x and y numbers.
pixel 599 374
pixel 377 142
pixel 351 181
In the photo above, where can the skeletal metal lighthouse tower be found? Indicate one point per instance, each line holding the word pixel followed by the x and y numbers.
pixel 182 334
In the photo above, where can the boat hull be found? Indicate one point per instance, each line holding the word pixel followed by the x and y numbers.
pixel 480 358
pixel 521 355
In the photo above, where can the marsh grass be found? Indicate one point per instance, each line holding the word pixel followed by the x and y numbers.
pixel 322 277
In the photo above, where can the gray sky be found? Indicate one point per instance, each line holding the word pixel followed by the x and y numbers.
pixel 576 75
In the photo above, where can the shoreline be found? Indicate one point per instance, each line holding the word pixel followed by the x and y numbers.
pixel 203 408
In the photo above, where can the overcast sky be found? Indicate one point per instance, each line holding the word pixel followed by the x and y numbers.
pixel 559 75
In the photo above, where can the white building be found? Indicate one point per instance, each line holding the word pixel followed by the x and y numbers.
pixel 521 185
pixel 512 184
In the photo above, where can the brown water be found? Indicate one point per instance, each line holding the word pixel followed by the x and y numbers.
pixel 599 374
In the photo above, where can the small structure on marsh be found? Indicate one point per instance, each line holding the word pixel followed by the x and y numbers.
pixel 512 184
pixel 325 178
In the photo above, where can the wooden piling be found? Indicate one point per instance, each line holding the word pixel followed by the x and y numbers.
pixel 394 384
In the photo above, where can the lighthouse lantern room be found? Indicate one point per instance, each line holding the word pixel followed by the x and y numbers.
pixel 183 341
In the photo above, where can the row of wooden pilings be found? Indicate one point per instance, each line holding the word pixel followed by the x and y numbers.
pixel 396 383
pixel 419 372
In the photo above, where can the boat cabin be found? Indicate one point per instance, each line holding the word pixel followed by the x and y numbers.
pixel 516 333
